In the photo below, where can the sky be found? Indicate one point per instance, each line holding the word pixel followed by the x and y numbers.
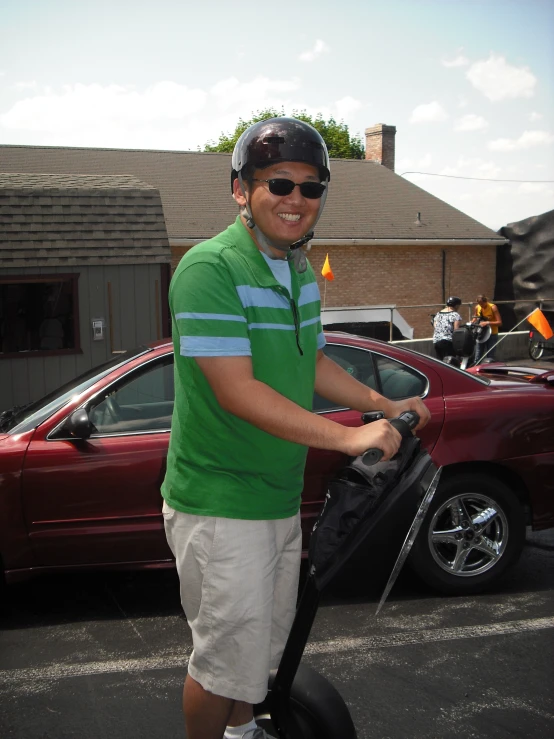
pixel 469 84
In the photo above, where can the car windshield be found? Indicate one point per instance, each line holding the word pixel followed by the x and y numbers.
pixel 20 419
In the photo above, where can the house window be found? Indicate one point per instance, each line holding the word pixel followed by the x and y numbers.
pixel 38 314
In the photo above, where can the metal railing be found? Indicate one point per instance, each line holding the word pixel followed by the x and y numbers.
pixel 470 307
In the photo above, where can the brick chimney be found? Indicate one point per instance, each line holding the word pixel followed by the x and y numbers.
pixel 379 144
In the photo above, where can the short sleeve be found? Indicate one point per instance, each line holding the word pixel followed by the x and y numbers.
pixel 321 340
pixel 207 312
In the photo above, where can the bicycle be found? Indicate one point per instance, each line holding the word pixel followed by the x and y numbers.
pixel 538 345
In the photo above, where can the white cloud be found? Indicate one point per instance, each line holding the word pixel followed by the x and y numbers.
pixel 165 115
pixel 428 113
pixel 535 187
pixel 457 61
pixel 527 140
pixel 486 194
pixel 471 122
pixel 473 167
pixel 534 116
pixel 320 47
pixel 25 85
pixel 463 102
pixel 260 93
pixel 94 105
pixel 498 80
pixel 408 164
pixel 347 105
pixel 496 205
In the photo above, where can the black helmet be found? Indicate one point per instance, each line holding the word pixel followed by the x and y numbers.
pixel 280 140
pixel 453 301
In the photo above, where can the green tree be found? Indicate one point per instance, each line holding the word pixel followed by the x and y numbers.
pixel 336 135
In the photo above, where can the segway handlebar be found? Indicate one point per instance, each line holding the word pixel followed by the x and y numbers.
pixel 404 423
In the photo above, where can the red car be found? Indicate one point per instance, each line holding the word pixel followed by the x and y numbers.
pixel 80 470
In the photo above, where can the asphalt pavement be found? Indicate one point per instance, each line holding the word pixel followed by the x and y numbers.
pixel 103 656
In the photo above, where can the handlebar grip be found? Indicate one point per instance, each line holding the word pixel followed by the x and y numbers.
pixel 372 456
pixel 404 424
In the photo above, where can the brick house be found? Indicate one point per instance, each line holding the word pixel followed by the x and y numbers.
pixel 390 243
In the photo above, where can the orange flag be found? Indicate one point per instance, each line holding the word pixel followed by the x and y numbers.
pixel 327 272
pixel 537 319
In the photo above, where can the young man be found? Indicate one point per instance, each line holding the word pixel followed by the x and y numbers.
pixel 248 356
pixel 488 315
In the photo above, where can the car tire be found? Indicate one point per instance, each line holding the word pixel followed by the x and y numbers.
pixel 473 531
pixel 536 349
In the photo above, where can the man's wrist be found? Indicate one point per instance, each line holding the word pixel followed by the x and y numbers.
pixel 385 405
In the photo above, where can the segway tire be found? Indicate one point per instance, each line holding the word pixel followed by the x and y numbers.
pixel 317 706
pixel 536 349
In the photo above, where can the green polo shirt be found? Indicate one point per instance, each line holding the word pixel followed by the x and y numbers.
pixel 225 301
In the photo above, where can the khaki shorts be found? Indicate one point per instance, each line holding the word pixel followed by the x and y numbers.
pixel 239 584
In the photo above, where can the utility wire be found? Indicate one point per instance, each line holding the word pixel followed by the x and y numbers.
pixel 484 179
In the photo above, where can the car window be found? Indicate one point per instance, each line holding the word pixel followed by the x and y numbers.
pixel 142 401
pixel 397 380
pixel 357 362
pixel 32 415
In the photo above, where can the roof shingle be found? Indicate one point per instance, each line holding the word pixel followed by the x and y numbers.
pixel 366 200
pixel 57 219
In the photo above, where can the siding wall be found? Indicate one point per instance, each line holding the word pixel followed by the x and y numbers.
pixel 136 318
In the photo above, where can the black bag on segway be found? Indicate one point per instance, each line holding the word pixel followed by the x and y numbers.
pixel 463 341
pixel 380 501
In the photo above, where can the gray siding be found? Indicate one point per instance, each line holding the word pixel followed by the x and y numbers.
pixel 136 318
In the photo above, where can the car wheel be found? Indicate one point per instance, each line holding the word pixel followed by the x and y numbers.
pixel 473 531
pixel 536 349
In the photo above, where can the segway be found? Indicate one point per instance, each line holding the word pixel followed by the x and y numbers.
pixel 464 340
pixel 370 498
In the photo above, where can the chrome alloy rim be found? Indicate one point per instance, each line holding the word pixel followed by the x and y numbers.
pixel 468 535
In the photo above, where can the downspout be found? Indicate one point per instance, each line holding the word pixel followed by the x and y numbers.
pixel 444 277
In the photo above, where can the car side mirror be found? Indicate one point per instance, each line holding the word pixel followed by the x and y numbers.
pixel 78 424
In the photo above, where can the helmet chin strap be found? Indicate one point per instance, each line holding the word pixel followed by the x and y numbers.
pixel 293 252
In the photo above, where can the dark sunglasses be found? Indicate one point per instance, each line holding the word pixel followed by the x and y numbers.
pixel 281 187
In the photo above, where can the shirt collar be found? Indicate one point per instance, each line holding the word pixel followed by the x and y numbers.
pixel 263 275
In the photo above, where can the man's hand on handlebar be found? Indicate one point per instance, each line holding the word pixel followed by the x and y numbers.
pixel 376 435
pixel 395 407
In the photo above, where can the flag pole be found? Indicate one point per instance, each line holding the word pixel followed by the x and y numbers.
pixel 502 339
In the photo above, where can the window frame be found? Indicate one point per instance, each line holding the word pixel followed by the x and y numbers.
pixel 374 354
pixel 71 277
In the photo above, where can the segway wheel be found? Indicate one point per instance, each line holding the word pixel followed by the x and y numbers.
pixel 317 706
pixel 536 349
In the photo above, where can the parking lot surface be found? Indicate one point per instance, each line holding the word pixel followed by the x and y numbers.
pixel 103 656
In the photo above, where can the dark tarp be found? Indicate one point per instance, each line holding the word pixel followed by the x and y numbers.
pixel 525 269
